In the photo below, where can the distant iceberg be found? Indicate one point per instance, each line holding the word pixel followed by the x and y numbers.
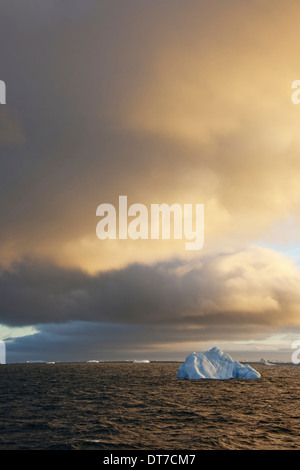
pixel 144 361
pixel 266 363
pixel 94 361
pixel 214 364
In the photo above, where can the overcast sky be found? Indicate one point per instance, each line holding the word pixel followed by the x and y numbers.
pixel 164 101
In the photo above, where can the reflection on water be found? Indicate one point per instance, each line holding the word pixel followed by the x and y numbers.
pixel 144 406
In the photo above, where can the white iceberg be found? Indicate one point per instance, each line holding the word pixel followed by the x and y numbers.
pixel 266 363
pixel 214 364
pixel 143 361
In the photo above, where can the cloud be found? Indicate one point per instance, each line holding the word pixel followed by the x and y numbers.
pixel 109 107
pixel 165 102
pixel 10 131
pixel 255 287
pixel 81 341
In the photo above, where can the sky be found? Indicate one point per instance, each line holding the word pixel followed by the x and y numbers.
pixel 164 101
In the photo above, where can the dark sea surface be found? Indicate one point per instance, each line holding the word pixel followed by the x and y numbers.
pixel 143 406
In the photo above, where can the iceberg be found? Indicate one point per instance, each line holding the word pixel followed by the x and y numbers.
pixel 143 361
pixel 266 363
pixel 214 364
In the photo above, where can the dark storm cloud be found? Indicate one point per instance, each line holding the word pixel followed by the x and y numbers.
pixel 42 293
pixel 251 287
pixel 82 341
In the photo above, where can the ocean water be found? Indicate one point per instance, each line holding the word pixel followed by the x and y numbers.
pixel 143 406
